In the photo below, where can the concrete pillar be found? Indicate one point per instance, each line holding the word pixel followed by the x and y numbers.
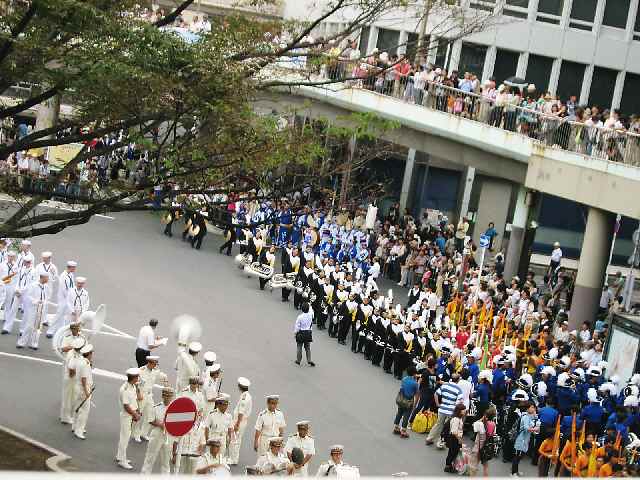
pixel 432 52
pixel 468 175
pixel 516 237
pixel 594 256
pixel 402 42
pixel 373 40
pixel 617 91
pixel 631 20
pixel 48 114
pixel 523 63
pixel 555 75
pixel 454 55
pixel 406 179
pixel 493 206
pixel 586 85
pixel 489 63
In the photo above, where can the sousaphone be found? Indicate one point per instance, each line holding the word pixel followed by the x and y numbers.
pixel 186 329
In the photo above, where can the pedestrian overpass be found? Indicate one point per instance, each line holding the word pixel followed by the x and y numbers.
pixel 565 170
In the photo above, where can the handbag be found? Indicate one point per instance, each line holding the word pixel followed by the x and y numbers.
pixel 403 402
pixel 420 423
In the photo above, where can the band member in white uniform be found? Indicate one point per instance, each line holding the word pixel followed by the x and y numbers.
pixel 25 253
pixel 36 298
pixel 26 276
pixel 83 391
pixel 187 365
pixel 211 387
pixel 329 468
pixel 66 282
pixel 190 445
pixel 150 375
pixel 270 423
pixel 71 346
pixel 47 265
pixel 9 271
pixel 241 414
pixel 219 423
pixel 213 462
pixel 304 442
pixel 78 300
pixel 160 442
pixel 129 398
pixel 274 460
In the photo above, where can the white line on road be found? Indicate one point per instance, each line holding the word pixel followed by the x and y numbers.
pixel 97 371
pixel 119 332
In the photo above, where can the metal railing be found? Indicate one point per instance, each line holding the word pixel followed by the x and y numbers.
pixel 503 111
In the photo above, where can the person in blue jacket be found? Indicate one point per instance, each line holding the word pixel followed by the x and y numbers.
pixel 565 394
pixel 593 414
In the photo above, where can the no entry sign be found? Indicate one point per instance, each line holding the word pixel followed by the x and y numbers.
pixel 180 416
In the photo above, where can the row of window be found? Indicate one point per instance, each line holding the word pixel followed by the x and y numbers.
pixel 581 16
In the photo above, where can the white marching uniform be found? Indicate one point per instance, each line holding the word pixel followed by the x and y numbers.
pixel 269 459
pixel 9 288
pixel 22 256
pixel 24 278
pixel 307 445
pixel 218 425
pixel 128 396
pixel 160 443
pixel 68 383
pixel 81 413
pixel 190 443
pixel 210 390
pixel 207 459
pixel 244 407
pixel 186 367
pixel 52 270
pixel 148 378
pixel 36 298
pixel 268 424
pixel 328 469
pixel 78 301
pixel 66 281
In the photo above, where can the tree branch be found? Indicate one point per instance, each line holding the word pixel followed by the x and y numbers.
pixel 170 18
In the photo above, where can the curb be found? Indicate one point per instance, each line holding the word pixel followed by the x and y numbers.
pixel 53 462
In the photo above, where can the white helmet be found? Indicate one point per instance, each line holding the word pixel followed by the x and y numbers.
pixel 564 380
pixel 635 379
pixel 578 373
pixel 520 396
pixel 594 371
pixel 631 401
pixel 592 395
pixel 486 374
pixel 608 387
pixel 539 389
pixel 631 391
pixel 548 370
pixel 525 381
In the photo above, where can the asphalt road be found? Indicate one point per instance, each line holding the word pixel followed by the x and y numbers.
pixel 139 273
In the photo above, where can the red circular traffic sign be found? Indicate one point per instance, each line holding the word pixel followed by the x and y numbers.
pixel 180 416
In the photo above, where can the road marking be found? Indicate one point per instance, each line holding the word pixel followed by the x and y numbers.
pixel 119 332
pixel 110 334
pixel 97 371
pixel 52 462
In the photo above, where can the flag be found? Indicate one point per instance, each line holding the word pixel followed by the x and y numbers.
pixel 583 434
pixel 485 353
pixel 618 442
pixel 592 469
pixel 555 449
pixel 574 452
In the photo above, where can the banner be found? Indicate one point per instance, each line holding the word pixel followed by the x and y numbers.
pixel 60 155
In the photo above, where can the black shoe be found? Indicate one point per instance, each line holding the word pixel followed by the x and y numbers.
pixel 19 347
pixel 311 364
pixel 296 362
pixel 4 332
pixel 285 299
pixel 49 335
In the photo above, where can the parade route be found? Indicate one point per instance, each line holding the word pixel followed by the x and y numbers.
pixel 139 274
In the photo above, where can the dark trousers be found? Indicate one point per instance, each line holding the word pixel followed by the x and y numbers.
pixel 454 449
pixel 285 294
pixel 403 414
pixel 167 229
pixel 397 364
pixel 378 352
pixel 141 356
pixel 297 300
pixel 263 282
pixel 196 242
pixel 387 361
pixel 515 462
pixel 423 404
pixel 307 350
pixel 354 337
pixel 343 329
pixel 362 341
pixel 226 245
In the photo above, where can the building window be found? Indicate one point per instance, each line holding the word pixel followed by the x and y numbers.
pixel 472 59
pixel 539 72
pixel 630 103
pixel 583 14
pixel 602 85
pixel 412 45
pixel 388 41
pixel 516 8
pixel 550 11
pixel 615 13
pixel 484 5
pixel 505 66
pixel 636 27
pixel 441 52
pixel 570 81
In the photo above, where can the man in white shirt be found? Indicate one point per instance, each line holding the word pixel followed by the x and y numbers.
pixel 147 341
pixel 466 386
pixel 556 258
pixel 304 442
pixel 241 414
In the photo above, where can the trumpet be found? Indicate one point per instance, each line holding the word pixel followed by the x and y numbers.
pixel 39 312
pixel 7 279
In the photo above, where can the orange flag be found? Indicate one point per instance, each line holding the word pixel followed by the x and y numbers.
pixel 555 448
pixel 574 453
pixel 592 470
pixel 583 434
pixel 618 442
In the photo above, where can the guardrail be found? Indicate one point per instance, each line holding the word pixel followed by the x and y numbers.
pixel 504 112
